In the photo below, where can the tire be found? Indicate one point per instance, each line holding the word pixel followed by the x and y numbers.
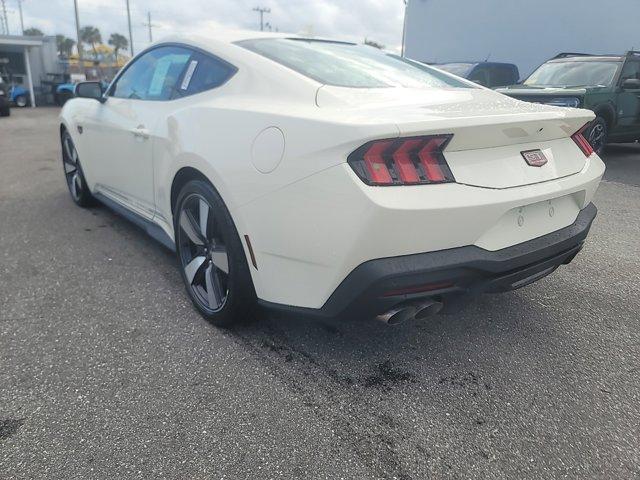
pixel 598 135
pixel 207 244
pixel 21 101
pixel 74 176
pixel 62 98
pixel 5 112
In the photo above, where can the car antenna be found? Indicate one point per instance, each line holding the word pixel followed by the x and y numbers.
pixel 488 57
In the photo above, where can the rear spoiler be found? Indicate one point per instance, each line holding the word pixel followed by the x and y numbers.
pixel 572 54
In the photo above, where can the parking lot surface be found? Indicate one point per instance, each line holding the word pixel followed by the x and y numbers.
pixel 106 370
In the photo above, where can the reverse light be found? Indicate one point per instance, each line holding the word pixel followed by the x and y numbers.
pixel 403 161
pixel 582 142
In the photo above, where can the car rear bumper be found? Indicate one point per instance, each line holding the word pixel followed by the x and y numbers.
pixel 377 285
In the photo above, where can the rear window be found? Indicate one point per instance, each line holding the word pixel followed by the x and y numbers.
pixel 349 65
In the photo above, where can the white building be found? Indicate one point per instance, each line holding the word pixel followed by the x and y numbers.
pixel 29 60
pixel 526 33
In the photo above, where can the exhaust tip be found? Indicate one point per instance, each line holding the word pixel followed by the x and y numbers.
pixel 427 309
pixel 397 315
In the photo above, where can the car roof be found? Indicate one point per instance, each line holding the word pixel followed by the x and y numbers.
pixel 588 58
pixel 231 36
pixel 474 63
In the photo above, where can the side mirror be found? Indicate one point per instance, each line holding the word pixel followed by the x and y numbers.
pixel 631 84
pixel 89 90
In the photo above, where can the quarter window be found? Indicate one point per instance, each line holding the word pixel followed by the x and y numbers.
pixel 153 76
pixel 631 70
pixel 205 73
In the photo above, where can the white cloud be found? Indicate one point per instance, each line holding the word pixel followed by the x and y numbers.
pixel 379 20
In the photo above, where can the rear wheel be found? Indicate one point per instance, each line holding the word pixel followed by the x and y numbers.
pixel 73 174
pixel 211 257
pixel 21 101
pixel 598 135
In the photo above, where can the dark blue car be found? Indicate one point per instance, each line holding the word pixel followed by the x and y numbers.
pixel 487 74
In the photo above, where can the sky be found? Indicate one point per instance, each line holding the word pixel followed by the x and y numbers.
pixel 354 20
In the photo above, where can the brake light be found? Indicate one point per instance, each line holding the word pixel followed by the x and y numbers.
pixel 582 142
pixel 403 161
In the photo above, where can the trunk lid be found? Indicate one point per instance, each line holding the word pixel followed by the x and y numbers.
pixel 489 130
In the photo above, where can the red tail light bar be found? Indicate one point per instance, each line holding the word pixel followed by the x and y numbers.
pixel 403 161
pixel 582 142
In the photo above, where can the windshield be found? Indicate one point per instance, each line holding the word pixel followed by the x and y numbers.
pixel 565 74
pixel 349 65
pixel 459 69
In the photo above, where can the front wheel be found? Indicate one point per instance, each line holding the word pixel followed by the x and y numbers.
pixel 598 135
pixel 73 173
pixel 211 257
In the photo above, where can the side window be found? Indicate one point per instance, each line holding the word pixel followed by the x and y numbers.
pixel 503 75
pixel 204 72
pixel 631 69
pixel 153 76
pixel 479 76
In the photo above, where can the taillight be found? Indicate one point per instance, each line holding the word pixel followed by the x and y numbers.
pixel 582 142
pixel 403 161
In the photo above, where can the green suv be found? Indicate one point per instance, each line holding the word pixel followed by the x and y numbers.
pixel 607 84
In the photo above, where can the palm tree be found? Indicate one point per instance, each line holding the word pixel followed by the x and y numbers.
pixel 118 42
pixel 91 35
pixel 65 46
pixel 33 32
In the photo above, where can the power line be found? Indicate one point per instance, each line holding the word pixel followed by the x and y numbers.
pixel 262 11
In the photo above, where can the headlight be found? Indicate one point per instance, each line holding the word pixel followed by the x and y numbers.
pixel 564 102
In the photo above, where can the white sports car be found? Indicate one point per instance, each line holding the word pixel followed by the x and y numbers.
pixel 329 178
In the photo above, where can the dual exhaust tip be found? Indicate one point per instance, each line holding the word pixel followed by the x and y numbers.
pixel 418 310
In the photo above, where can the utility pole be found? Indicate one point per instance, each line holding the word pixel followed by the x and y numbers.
pixel 21 18
pixel 79 44
pixel 150 25
pixel 262 11
pixel 130 34
pixel 404 26
pixel 5 23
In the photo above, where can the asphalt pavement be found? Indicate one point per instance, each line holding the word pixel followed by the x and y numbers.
pixel 106 370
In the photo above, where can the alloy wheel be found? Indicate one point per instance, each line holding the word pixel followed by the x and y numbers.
pixel 597 137
pixel 203 253
pixel 72 170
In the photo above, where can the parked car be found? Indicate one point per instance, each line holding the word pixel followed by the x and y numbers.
pixel 487 74
pixel 285 172
pixel 17 94
pixel 609 85
pixel 5 105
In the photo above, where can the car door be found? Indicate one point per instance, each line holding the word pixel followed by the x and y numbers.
pixel 629 101
pixel 119 133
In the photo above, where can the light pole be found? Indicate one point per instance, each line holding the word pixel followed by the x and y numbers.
pixel 21 19
pixel 404 27
pixel 80 56
pixel 130 34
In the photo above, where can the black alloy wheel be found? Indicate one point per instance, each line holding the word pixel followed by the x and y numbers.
pixel 211 257
pixel 73 173
pixel 598 133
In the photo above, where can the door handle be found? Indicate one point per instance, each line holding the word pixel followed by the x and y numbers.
pixel 140 132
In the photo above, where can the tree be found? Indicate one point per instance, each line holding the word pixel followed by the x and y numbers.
pixel 91 35
pixel 373 43
pixel 118 42
pixel 33 32
pixel 65 46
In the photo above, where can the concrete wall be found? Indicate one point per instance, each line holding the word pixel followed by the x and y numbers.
pixel 524 32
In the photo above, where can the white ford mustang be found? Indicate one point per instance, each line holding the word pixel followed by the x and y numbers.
pixel 328 178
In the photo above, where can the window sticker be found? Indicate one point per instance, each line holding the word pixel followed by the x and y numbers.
pixel 187 76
